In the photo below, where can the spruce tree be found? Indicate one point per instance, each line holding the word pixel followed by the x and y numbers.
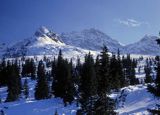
pixel 26 68
pixel 3 73
pixel 120 70
pixel 63 85
pixel 132 77
pixel 58 82
pixel 77 77
pixel 104 105
pixel 29 69
pixel 148 78
pixel 25 89
pixel 42 89
pixel 88 86
pixel 54 64
pixel 129 70
pixel 32 69
pixel 114 73
pixel 68 84
pixel 56 113
pixel 156 89
pixel 14 82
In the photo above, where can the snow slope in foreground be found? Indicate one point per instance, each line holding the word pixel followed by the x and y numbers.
pixel 34 107
pixel 137 101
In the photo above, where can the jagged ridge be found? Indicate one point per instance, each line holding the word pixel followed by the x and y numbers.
pixel 43 42
pixel 47 42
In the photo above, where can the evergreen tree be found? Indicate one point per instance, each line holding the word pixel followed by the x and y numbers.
pixel 0 100
pixel 129 70
pixel 157 80
pixel 78 71
pixel 2 112
pixel 42 89
pixel 32 69
pixel 155 111
pixel 77 77
pixel 68 84
pixel 56 113
pixel 63 85
pixel 114 73
pixel 156 89
pixel 88 86
pixel 14 82
pixel 54 64
pixel 25 89
pixel 29 69
pixel 104 105
pixel 148 78
pixel 79 112
pixel 25 68
pixel 120 70
pixel 97 71
pixel 58 82
pixel 3 73
pixel 104 83
pixel 132 77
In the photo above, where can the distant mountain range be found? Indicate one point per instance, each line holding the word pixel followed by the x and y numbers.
pixel 43 42
pixel 91 39
pixel 47 42
pixel 146 46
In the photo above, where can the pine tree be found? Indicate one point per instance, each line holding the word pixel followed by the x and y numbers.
pixel 68 85
pixel 29 69
pixel 104 83
pixel 156 89
pixel 97 71
pixel 14 83
pixel 58 82
pixel 88 86
pixel 0 100
pixel 77 77
pixel 157 81
pixel 56 113
pixel 3 73
pixel 53 74
pixel 155 111
pixel 26 68
pixel 132 77
pixel 120 70
pixel 148 78
pixel 25 88
pixel 129 70
pixel 2 112
pixel 32 69
pixel 114 73
pixel 63 85
pixel 104 105
pixel 42 89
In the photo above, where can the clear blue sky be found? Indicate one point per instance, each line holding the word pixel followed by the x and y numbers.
pixel 124 20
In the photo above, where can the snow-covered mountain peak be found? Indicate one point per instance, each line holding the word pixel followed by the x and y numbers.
pixel 44 42
pixel 41 31
pixel 44 29
pixel 45 36
pixel 148 38
pixel 93 31
pixel 147 46
pixel 91 39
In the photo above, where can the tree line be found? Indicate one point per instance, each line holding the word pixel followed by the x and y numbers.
pixel 87 83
